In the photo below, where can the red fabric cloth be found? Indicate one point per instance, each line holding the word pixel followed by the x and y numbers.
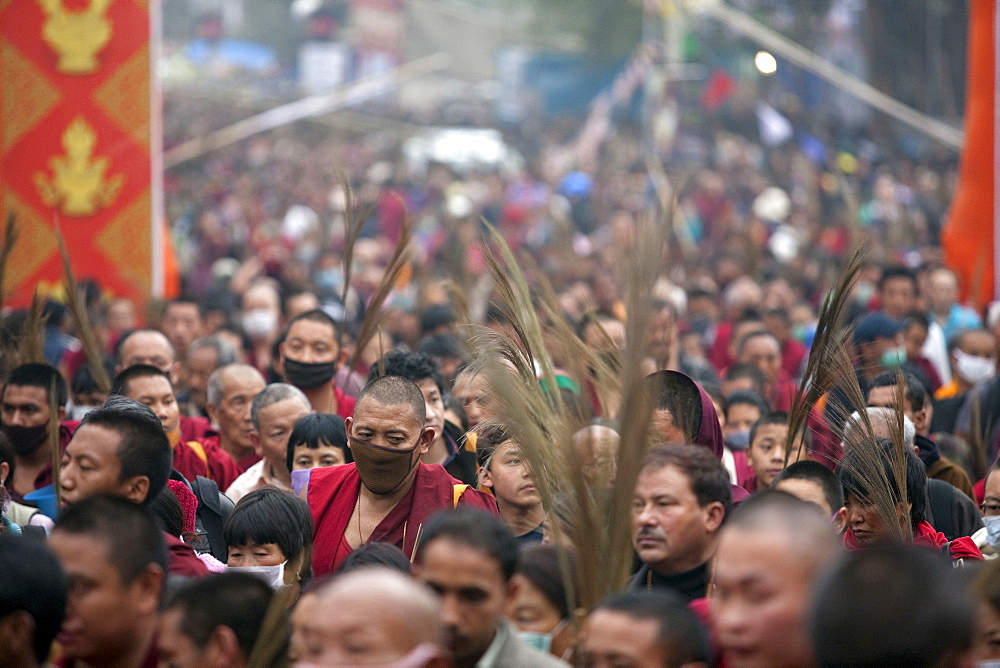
pixel 743 470
pixel 332 494
pixel 211 442
pixel 749 483
pixel 782 393
pixel 826 449
pixel 217 465
pixel 793 352
pixel 927 536
pixel 195 428
pixel 345 403
pixel 181 558
pixel 979 489
pixel 718 354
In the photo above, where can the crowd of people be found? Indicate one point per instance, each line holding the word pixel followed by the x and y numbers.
pixel 279 466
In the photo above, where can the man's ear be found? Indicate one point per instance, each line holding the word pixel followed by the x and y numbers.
pixel 715 512
pixel 148 588
pixel 175 373
pixel 62 413
pixel 921 418
pixel 840 519
pixel 136 488
pixel 485 479
pixel 426 438
pixel 223 648
pixel 212 413
pixel 255 442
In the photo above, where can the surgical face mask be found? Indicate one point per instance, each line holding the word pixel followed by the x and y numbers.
pixel 992 524
pixel 974 369
pixel 307 375
pixel 272 575
pixel 893 358
pixel 738 441
pixel 418 657
pixel 542 641
pixel 382 469
pixel 77 412
pixel 25 440
pixel 259 323
pixel 330 280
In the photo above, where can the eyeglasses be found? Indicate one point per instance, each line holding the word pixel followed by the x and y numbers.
pixel 990 508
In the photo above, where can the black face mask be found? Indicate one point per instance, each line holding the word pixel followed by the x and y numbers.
pixel 306 376
pixel 25 440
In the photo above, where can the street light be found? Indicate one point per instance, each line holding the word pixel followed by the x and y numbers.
pixel 765 62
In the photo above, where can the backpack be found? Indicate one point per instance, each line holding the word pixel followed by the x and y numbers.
pixel 213 510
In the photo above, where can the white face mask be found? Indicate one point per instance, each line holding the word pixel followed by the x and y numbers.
pixel 272 575
pixel 542 641
pixel 77 412
pixel 974 369
pixel 259 322
pixel 992 524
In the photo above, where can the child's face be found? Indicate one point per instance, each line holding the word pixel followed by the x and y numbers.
pixel 305 457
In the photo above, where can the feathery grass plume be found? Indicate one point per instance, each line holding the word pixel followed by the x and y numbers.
pixel 31 344
pixel 54 444
pixel 373 311
pixel 270 649
pixel 353 224
pixel 84 328
pixel 6 248
pixel 828 360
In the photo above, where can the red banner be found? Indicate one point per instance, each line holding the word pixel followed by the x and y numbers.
pixel 79 144
pixel 969 238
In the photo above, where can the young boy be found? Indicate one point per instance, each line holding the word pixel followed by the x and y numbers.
pixel 505 472
pixel 766 454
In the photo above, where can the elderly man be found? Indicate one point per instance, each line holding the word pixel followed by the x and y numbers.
pixel 374 615
pixel 387 494
pixel 231 390
pixel 682 495
pixel 770 553
pixel 273 413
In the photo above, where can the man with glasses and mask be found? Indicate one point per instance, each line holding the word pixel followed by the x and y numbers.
pixel 987 539
pixel 387 494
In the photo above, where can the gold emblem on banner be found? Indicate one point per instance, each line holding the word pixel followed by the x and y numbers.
pixel 78 186
pixel 76 36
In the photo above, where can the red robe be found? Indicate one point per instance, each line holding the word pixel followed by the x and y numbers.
pixel 332 495
pixel 927 536
pixel 215 465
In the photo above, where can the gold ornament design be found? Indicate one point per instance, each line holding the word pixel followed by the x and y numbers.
pixel 36 242
pixel 127 241
pixel 78 186
pixel 124 96
pixel 26 96
pixel 76 36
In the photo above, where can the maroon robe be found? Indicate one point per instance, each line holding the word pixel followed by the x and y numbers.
pixel 332 495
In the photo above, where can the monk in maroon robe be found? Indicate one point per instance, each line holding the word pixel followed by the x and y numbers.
pixel 386 495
